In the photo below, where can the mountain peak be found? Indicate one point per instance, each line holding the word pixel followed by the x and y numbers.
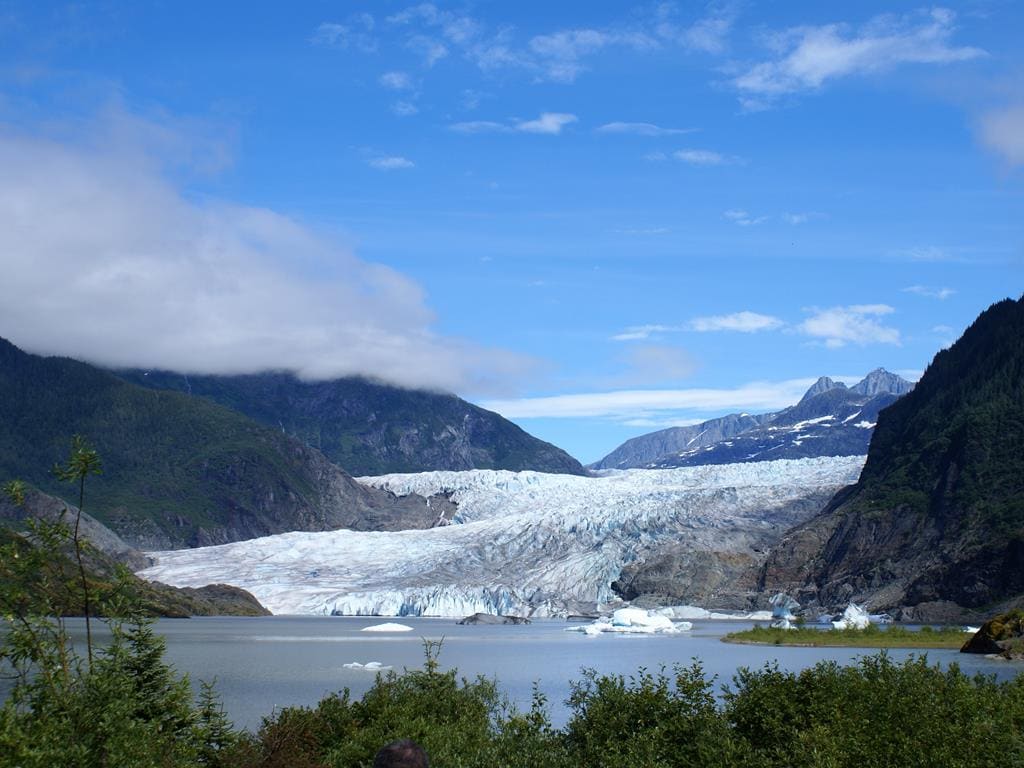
pixel 823 384
pixel 880 380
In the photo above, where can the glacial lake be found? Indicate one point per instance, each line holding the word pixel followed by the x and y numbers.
pixel 264 663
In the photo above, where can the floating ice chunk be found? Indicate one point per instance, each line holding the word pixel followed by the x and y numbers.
pixel 854 617
pixel 388 626
pixel 758 616
pixel 370 666
pixel 782 610
pixel 685 612
pixel 633 621
pixel 971 630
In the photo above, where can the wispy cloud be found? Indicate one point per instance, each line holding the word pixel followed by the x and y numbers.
pixel 927 253
pixel 549 123
pixel 356 33
pixel 642 129
pixel 641 332
pixel 796 219
pixel 708 34
pixel 561 54
pixel 641 404
pixel 702 157
pixel 856 324
pixel 744 219
pixel 1002 131
pixel 743 322
pixel 807 57
pixel 390 163
pixel 932 293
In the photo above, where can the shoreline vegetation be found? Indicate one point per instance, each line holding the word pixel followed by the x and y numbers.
pixel 873 636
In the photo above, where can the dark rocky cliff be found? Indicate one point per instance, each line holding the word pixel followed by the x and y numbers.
pixel 936 520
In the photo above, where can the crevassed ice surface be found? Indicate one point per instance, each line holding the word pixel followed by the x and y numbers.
pixel 525 543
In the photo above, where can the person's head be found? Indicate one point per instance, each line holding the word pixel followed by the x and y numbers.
pixel 404 753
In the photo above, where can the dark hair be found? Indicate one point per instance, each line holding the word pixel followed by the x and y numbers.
pixel 404 753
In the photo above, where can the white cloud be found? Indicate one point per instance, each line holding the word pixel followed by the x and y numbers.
pixel 796 219
pixel 390 163
pixel 743 322
pixel 809 56
pixel 638 404
pixel 1002 130
pixel 744 219
pixel 640 332
pixel 396 81
pixel 642 129
pixel 701 157
pixel 549 123
pixel 932 293
pixel 104 259
pixel 856 324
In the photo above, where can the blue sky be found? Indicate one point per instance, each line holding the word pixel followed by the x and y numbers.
pixel 598 219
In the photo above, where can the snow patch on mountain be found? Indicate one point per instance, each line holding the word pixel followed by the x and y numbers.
pixel 524 543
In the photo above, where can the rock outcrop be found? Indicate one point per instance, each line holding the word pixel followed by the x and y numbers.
pixel 937 517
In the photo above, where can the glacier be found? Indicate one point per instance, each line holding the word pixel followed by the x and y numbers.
pixel 523 543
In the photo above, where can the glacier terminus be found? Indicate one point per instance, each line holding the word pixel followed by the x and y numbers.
pixel 523 543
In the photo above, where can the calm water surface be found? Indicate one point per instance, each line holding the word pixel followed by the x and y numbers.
pixel 260 664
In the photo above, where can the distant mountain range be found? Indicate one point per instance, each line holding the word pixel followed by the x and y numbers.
pixel 830 420
pixel 370 428
pixel 936 520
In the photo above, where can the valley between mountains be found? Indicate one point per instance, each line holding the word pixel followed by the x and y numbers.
pixel 906 498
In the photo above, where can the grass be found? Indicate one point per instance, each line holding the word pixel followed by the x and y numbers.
pixel 873 637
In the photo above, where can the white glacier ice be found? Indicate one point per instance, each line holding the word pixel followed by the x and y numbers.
pixel 523 543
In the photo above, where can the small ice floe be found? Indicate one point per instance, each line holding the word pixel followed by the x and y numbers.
pixel 389 626
pixel 971 630
pixel 854 617
pixel 370 666
pixel 634 621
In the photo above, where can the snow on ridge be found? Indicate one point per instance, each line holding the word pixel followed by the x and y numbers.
pixel 527 543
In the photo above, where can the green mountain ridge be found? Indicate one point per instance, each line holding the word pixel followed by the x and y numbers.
pixel 372 428
pixel 937 518
pixel 178 470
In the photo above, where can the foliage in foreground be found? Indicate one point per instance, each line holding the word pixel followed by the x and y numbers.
pixel 876 713
pixel 121 705
pixel 871 636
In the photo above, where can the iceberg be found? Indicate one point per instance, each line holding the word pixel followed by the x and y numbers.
pixel 387 627
pixel 633 621
pixel 520 543
pixel 854 617
pixel 783 607
pixel 370 666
